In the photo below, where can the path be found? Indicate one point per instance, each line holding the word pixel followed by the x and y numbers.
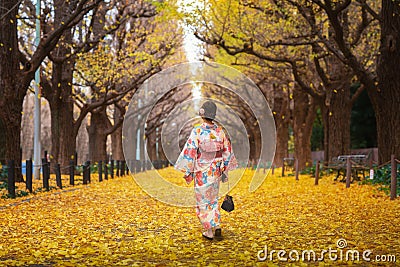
pixel 114 223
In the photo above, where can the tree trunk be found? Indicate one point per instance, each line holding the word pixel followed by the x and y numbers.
pixel 336 109
pixel 27 127
pixel 252 145
pixel 387 100
pixel 142 144
pixel 254 140
pixel 82 139
pixel 63 136
pixel 282 138
pixel 12 90
pixel 336 117
pixel 130 142
pixel 10 116
pixel 280 111
pixel 161 153
pixel 15 81
pixel 3 140
pixel 151 146
pixel 304 112
pixel 99 125
pixel 116 139
pixel 258 144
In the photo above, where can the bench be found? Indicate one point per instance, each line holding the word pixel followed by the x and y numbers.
pixel 359 164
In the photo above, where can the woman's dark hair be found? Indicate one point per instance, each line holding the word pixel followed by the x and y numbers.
pixel 208 110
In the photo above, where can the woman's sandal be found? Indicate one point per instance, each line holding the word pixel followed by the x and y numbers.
pixel 218 234
pixel 207 237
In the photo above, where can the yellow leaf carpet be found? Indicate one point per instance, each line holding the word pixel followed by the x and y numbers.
pixel 114 223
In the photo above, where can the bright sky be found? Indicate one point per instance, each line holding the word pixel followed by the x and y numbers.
pixel 191 44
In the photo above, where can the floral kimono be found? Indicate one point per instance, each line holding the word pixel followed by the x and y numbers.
pixel 206 155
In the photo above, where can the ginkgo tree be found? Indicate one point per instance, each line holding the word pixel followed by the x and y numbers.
pixel 289 106
pixel 244 30
pixel 117 68
pixel 17 69
pixel 274 77
pixel 110 21
pixel 300 34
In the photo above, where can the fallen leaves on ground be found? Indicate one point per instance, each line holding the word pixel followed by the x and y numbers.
pixel 114 223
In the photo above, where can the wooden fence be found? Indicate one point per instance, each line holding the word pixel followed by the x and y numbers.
pixel 118 168
pixel 105 170
pixel 350 166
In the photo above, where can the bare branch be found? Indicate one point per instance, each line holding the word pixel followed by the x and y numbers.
pixel 301 83
pixel 342 7
pixel 374 14
pixel 357 93
pixel 47 44
pixel 365 22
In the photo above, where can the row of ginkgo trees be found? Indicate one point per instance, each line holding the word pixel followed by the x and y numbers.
pixel 92 55
pixel 312 53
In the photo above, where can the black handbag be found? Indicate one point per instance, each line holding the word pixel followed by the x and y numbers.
pixel 228 204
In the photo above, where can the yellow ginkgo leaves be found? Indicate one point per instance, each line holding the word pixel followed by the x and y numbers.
pixel 114 223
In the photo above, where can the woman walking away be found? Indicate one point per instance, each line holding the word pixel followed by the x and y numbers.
pixel 206 158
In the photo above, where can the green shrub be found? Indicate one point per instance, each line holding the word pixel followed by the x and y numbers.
pixel 3 173
pixel 382 177
pixel 3 177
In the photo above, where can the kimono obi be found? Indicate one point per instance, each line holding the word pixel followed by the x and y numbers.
pixel 211 149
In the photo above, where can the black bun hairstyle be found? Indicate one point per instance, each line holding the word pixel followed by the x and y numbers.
pixel 208 110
